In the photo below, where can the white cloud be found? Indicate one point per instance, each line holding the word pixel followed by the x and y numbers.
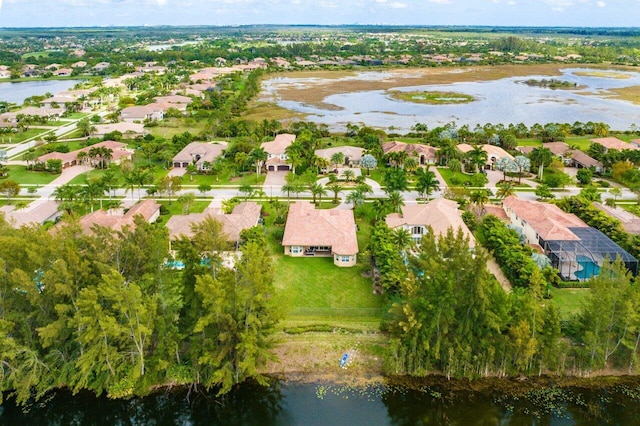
pixel 601 4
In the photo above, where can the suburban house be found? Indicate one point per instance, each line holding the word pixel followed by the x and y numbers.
pixel 311 232
pixel 63 72
pixel 440 215
pixel 570 157
pixel 352 154
pixel 128 130
pixel 202 154
pixel 119 151
pixel 101 66
pixel 493 153
pixel 178 102
pixel 276 152
pixel 141 113
pixel 117 219
pixel 36 213
pixel 244 216
pixel 575 249
pixel 426 154
pixel 614 143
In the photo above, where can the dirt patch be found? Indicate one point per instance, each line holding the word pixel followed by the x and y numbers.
pixel 631 94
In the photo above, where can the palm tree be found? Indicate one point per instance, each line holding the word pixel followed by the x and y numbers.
pixel 541 157
pixel 402 239
pixel 258 157
pixel 479 198
pixel 288 188
pixel 317 190
pixel 455 165
pixel 349 175
pixel 380 207
pixel 356 198
pixel 336 188
pixel 477 157
pixel 426 182
pixel 395 201
pixel 337 159
pixel 505 189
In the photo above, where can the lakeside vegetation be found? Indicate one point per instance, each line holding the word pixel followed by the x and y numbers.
pixel 68 300
pixel 433 98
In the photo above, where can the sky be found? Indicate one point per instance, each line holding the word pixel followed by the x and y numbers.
pixel 74 13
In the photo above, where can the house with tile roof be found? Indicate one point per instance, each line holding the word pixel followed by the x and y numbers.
pixel 425 154
pixel 202 154
pixel 244 216
pixel 493 153
pixel 614 143
pixel 326 233
pixel 352 154
pixel 570 157
pixel 119 152
pixel 575 249
pixel 117 219
pixel 277 158
pixel 438 216
pixel 140 113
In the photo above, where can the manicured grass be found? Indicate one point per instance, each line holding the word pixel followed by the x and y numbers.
pixel 315 286
pixel 23 176
pixel 582 142
pixel 454 178
pixel 176 208
pixel 529 142
pixel 569 301
pixel 22 136
pixel 170 127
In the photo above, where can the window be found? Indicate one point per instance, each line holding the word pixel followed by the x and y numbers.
pixel 296 249
pixel 417 230
pixel 346 259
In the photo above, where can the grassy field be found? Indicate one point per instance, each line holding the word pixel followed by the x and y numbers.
pixel 454 178
pixel 170 127
pixel 22 136
pixel 21 175
pixel 569 300
pixel 175 208
pixel 432 98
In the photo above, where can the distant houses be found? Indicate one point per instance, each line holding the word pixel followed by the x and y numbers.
pixel 425 154
pixel 201 154
pixel 119 152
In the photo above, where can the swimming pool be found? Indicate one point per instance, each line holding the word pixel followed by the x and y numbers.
pixel 589 268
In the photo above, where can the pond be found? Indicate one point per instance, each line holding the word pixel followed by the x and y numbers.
pixel 17 92
pixel 505 101
pixel 328 404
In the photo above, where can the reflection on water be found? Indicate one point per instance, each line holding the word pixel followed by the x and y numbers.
pixel 314 404
pixel 501 101
pixel 18 92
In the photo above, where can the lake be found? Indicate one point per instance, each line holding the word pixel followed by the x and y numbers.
pixel 17 92
pixel 328 404
pixel 505 101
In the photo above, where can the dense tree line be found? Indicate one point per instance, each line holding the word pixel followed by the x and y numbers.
pixel 448 314
pixel 104 313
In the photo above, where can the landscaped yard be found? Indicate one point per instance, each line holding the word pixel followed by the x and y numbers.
pixel 21 175
pixel 176 208
pixel 170 127
pixel 454 178
pixel 569 300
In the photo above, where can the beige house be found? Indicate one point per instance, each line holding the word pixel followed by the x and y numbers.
pixel 117 220
pixel 128 130
pixel 276 152
pixel 151 112
pixel 202 154
pixel 119 151
pixel 244 216
pixel 311 232
pixel 352 154
pixel 493 153
pixel 426 154
pixel 440 215
pixel 614 143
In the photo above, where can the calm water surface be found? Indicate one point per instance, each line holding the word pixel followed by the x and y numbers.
pixel 313 404
pixel 18 92
pixel 501 101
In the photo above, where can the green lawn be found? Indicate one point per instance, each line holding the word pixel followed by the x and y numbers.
pixel 454 178
pixel 176 208
pixel 21 175
pixel 529 142
pixel 170 127
pixel 569 300
pixel 315 286
pixel 22 136
pixel 583 143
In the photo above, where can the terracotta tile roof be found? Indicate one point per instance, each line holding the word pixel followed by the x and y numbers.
pixel 613 143
pixel 206 152
pixel 119 149
pixel 558 148
pixel 409 148
pixel 440 214
pixel 244 216
pixel 123 127
pixel 35 213
pixel 583 159
pixel 307 226
pixel 548 220
pixel 116 219
pixel 354 153
pixel 491 150
pixel 279 144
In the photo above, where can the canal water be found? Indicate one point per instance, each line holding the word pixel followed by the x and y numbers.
pixel 17 92
pixel 328 404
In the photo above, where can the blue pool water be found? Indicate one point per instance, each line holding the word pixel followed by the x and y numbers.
pixel 589 268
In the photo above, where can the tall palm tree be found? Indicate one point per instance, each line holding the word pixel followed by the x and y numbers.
pixel 477 157
pixel 395 201
pixel 505 189
pixel 541 157
pixel 479 198
pixel 402 239
pixel 258 157
pixel 356 198
pixel 426 182
pixel 316 190
pixel 336 188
